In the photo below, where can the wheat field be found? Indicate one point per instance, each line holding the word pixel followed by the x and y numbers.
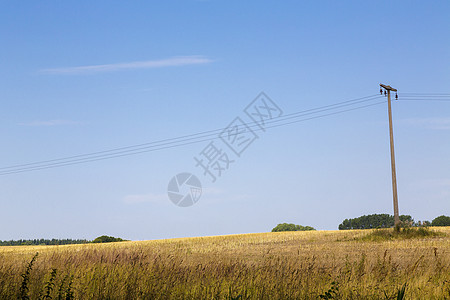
pixel 285 265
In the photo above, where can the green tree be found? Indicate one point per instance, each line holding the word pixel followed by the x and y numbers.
pixel 441 221
pixel 373 221
pixel 291 227
pixel 426 223
pixel 107 239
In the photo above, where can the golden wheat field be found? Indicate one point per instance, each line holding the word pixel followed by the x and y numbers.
pixel 287 265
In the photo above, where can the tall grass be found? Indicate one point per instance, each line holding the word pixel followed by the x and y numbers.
pixel 289 265
pixel 401 233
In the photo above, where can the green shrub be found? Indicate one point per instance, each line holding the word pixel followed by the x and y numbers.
pixel 400 233
pixel 107 239
pixel 291 227
pixel 441 221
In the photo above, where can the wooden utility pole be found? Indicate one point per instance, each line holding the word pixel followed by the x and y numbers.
pixel 388 89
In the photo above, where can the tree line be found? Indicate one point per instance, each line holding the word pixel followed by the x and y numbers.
pixel 54 242
pixel 42 242
pixel 386 221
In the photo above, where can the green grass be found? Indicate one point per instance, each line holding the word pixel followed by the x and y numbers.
pixel 387 234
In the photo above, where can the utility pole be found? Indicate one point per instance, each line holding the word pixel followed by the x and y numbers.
pixel 388 89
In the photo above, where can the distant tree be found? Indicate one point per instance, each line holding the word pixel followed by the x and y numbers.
pixel 107 239
pixel 37 242
pixel 426 223
pixel 423 223
pixel 441 221
pixel 291 227
pixel 407 219
pixel 373 221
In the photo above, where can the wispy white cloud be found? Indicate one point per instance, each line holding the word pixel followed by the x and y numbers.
pixel 148 64
pixel 51 123
pixel 429 123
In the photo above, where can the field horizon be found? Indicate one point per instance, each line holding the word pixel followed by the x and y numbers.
pixel 274 265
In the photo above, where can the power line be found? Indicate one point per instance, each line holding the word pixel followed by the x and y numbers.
pixel 426 99
pixel 180 141
pixel 115 155
pixel 200 134
pixel 427 94
pixel 183 140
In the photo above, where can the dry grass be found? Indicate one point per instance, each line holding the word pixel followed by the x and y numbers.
pixel 288 265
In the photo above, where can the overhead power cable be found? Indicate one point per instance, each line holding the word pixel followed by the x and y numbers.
pixel 427 94
pixel 188 139
pixel 209 132
pixel 424 98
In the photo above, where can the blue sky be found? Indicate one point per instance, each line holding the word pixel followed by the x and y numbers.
pixel 81 77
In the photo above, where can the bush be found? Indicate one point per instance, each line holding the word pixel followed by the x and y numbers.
pixel 107 239
pixel 291 227
pixel 441 221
